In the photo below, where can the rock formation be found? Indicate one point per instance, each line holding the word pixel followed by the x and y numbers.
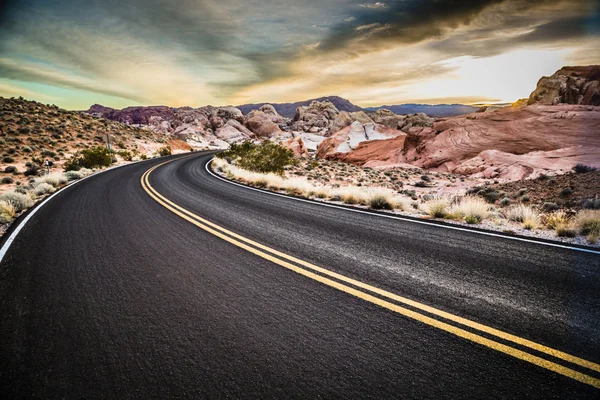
pixel 569 85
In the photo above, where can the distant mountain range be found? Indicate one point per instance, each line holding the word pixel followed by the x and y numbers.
pixel 439 110
pixel 289 109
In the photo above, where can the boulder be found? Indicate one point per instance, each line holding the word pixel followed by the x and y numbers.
pixel 317 117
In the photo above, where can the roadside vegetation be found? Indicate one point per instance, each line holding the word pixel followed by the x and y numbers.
pixel 266 157
pixel 519 210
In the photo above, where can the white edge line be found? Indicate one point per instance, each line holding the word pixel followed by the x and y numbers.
pixel 456 228
pixel 14 234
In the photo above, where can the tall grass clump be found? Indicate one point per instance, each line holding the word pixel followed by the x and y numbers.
pixel 19 201
pixel 526 215
pixel 7 212
pixel 587 223
pixel 437 207
pixel 470 208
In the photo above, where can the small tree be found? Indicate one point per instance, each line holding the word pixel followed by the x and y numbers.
pixel 165 151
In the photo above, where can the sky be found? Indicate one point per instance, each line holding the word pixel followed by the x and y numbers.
pixel 120 53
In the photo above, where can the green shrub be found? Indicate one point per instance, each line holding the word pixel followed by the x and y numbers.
pixel 566 192
pixel 95 157
pixel 126 155
pixel 7 180
pixel 588 222
pixel 8 159
pixel 473 219
pixel 380 203
pixel 582 169
pixel 165 151
pixel 267 157
pixel 11 169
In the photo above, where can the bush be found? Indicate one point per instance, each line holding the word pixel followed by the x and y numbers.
pixel 7 212
pixel 552 221
pixel 566 192
pixel 587 222
pixel 165 151
pixel 379 202
pixel 549 206
pixel 565 230
pixel 126 155
pixel 472 219
pixel 436 207
pixel 95 157
pixel 8 160
pixel 505 202
pixel 267 157
pixel 7 180
pixel 43 188
pixel 11 169
pixel 56 179
pixel 32 169
pixel 19 201
pixel 73 175
pixel 582 169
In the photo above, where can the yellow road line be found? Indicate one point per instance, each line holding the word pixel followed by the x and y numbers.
pixel 245 243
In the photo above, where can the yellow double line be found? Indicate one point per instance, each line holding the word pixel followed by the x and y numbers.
pixel 308 270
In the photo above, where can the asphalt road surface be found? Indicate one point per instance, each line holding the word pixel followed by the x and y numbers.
pixel 176 284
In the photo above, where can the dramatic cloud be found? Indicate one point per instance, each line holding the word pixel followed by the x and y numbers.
pixel 195 52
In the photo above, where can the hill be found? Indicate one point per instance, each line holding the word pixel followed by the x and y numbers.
pixel 437 110
pixel 288 110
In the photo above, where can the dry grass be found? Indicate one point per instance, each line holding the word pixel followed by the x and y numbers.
pixel 7 212
pixel 472 209
pixel 55 179
pixel 556 219
pixel 19 201
pixel 437 207
pixel 587 223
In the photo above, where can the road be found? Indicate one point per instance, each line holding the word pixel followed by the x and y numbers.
pixel 176 284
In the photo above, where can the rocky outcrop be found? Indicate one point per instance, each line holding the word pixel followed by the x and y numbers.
pixel 569 85
pixel 509 143
pixel 345 119
pixel 266 122
pixel 348 139
pixel 318 117
pixel 297 146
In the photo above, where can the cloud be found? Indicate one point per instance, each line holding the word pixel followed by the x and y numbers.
pixel 374 6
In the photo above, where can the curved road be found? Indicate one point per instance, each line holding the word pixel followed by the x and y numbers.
pixel 187 286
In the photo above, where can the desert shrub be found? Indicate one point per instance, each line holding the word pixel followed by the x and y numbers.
pixel 566 192
pixel 549 206
pixel 379 202
pixel 32 169
pixel 421 184
pixel 266 157
pixel 505 202
pixel 425 178
pixel 56 179
pixel 7 212
pixel 565 230
pixel 582 168
pixel 11 169
pixel 555 219
pixel 526 215
pixel 490 195
pixel 8 159
pixel 165 151
pixel 19 201
pixel 472 209
pixel 587 222
pixel 7 180
pixel 525 198
pixel 43 188
pixel 591 204
pixel 126 155
pixel 437 207
pixel 89 158
pixel 73 175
